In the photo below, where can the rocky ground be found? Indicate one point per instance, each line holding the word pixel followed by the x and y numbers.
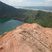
pixel 27 38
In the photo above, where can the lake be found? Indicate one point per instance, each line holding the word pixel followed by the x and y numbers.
pixel 9 25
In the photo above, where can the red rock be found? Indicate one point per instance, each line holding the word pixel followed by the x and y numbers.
pixel 27 38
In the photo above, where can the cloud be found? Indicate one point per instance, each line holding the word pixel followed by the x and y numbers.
pixel 48 2
pixel 12 2
pixel 16 3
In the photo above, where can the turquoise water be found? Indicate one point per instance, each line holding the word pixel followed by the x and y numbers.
pixel 9 25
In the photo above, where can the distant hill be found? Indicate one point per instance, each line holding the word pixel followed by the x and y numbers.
pixel 43 8
pixel 28 16
pixel 7 11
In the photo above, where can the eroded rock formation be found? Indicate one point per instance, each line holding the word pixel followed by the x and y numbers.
pixel 27 38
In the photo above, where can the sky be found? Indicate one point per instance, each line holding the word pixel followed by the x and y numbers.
pixel 16 3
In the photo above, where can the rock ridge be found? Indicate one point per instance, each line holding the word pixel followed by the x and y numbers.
pixel 27 38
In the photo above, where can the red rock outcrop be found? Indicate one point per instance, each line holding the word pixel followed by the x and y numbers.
pixel 27 38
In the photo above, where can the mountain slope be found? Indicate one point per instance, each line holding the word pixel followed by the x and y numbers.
pixel 27 38
pixel 8 12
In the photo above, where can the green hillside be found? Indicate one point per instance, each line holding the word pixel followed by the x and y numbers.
pixel 27 16
pixel 42 18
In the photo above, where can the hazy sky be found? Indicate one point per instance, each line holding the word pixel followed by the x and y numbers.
pixel 28 2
